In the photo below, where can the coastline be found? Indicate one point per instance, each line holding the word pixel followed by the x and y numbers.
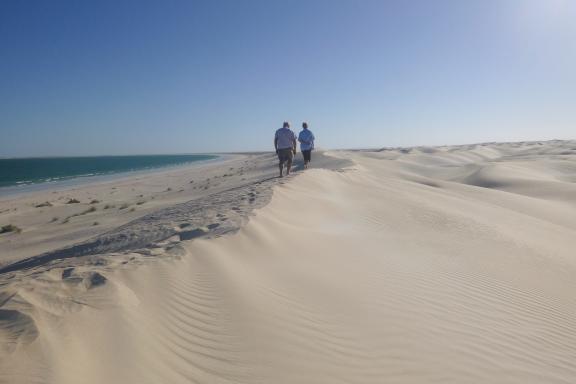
pixel 80 180
pixel 48 222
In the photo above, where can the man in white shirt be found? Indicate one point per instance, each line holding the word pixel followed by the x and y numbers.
pixel 306 139
pixel 285 144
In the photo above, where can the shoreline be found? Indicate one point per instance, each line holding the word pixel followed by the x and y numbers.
pixel 79 181
pixel 53 217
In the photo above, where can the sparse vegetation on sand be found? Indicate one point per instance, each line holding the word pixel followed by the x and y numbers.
pixel 10 228
pixel 73 201
pixel 45 204
pixel 89 210
pixel 94 201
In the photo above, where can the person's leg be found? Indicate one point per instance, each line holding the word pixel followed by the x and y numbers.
pixel 306 155
pixel 281 160
pixel 289 161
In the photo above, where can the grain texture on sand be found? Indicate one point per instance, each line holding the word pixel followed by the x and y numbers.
pixel 401 269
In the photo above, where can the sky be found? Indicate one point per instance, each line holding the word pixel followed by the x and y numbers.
pixel 144 77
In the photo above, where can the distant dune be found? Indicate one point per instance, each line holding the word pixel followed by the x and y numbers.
pixel 452 264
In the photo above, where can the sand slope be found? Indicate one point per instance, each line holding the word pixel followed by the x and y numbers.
pixel 448 265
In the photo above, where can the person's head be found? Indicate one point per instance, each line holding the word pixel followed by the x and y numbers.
pixel 305 125
pixel 286 125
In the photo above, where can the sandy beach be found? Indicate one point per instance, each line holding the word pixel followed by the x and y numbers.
pixel 451 264
pixel 53 218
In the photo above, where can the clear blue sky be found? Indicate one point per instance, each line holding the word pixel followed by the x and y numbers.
pixel 125 77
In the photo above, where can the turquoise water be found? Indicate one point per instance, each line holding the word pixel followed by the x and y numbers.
pixel 28 171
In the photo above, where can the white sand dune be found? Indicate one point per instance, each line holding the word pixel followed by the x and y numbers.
pixel 428 265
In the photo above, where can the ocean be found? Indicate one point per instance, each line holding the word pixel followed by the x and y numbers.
pixel 27 171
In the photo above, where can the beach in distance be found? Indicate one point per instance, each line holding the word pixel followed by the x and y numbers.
pixel 18 172
pixel 92 195
pixel 446 264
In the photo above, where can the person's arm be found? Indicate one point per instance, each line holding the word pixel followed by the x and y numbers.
pixel 276 143
pixel 294 144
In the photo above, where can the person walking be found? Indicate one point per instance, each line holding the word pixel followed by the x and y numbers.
pixel 306 139
pixel 285 144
